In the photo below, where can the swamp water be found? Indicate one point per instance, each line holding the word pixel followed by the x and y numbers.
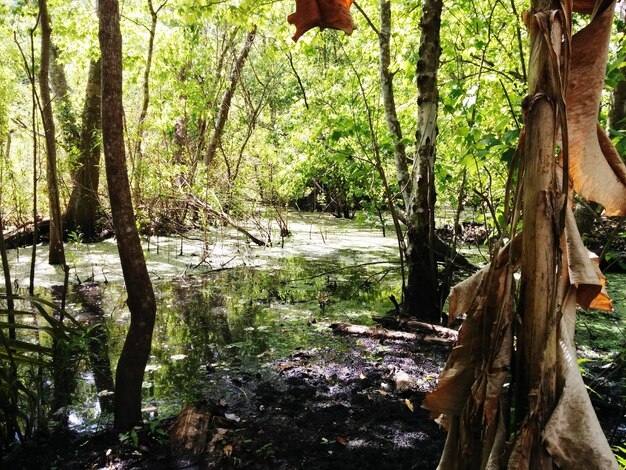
pixel 227 308
pixel 223 305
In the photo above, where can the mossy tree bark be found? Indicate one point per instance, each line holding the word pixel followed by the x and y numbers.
pixel 82 143
pixel 83 206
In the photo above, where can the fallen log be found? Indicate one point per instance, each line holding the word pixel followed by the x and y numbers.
pixel 24 234
pixel 382 333
pixel 188 434
pixel 405 324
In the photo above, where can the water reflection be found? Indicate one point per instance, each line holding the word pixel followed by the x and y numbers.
pixel 220 320
pixel 210 325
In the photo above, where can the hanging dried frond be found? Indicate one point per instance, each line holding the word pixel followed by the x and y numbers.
pixel 596 169
pixel 554 423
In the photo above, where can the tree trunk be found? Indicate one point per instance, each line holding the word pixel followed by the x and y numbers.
pixel 64 111
pixel 82 144
pixel 84 203
pixel 421 297
pixel 541 238
pixel 141 301
pixel 137 151
pixel 227 98
pixel 386 83
pixel 57 254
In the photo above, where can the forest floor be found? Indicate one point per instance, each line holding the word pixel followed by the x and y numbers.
pixel 318 409
pixel 314 409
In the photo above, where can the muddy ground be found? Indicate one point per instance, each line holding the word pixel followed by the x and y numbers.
pixel 314 409
pixel 317 409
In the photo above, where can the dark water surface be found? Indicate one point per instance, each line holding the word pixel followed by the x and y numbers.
pixel 224 304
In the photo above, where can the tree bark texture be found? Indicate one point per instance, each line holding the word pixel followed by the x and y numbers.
pixel 389 101
pixel 141 301
pixel 421 297
pixel 64 111
pixel 56 254
pixel 84 203
pixel 227 98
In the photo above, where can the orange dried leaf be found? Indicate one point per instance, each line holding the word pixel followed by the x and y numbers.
pixel 333 14
pixel 228 450
pixel 584 269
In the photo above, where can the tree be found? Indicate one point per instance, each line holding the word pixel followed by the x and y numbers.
pixel 56 253
pixel 141 300
pixel 224 109
pixel 84 203
pixel 554 424
pixel 138 151
pixel 421 295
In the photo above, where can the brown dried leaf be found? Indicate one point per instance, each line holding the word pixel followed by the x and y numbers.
pixel 333 14
pixel 573 424
pixel 596 170
pixel 459 373
pixel 584 269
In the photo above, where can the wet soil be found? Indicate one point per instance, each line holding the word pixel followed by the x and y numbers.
pixel 318 408
pixel 315 408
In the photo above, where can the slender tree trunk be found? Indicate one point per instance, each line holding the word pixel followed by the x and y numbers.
pixel 141 301
pixel 137 150
pixel 386 82
pixel 421 298
pixel 227 98
pixel 57 254
pixel 6 270
pixel 84 203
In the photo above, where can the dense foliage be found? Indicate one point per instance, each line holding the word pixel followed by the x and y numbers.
pixel 297 131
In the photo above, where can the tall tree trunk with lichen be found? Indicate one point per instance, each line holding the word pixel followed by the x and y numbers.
pixel 141 301
pixel 389 102
pixel 57 253
pixel 421 295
